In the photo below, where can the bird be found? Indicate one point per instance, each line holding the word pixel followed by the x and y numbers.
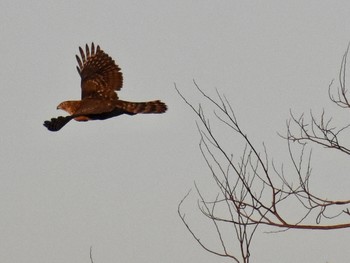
pixel 101 78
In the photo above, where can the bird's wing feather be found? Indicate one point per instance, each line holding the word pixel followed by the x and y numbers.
pixel 100 76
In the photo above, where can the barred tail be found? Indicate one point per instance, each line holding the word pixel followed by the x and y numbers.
pixel 155 106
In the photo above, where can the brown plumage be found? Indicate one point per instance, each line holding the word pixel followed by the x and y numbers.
pixel 100 79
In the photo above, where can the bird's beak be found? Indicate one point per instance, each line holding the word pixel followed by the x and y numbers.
pixel 58 107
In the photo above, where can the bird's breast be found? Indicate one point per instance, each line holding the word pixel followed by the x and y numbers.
pixel 82 118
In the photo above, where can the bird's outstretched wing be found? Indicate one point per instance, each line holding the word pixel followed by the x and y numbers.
pixel 100 76
pixel 55 124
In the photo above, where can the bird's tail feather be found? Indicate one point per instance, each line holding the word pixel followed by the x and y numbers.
pixel 155 106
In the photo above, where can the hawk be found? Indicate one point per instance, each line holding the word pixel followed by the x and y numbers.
pixel 100 79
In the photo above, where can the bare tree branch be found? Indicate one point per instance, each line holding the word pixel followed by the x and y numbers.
pixel 91 260
pixel 251 189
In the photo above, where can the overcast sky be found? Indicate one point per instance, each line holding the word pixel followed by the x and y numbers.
pixel 115 184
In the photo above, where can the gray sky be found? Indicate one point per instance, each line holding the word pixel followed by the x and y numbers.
pixel 115 185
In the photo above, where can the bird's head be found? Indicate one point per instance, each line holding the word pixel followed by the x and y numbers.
pixel 69 106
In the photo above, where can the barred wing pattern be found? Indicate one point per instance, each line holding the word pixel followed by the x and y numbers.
pixel 100 76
